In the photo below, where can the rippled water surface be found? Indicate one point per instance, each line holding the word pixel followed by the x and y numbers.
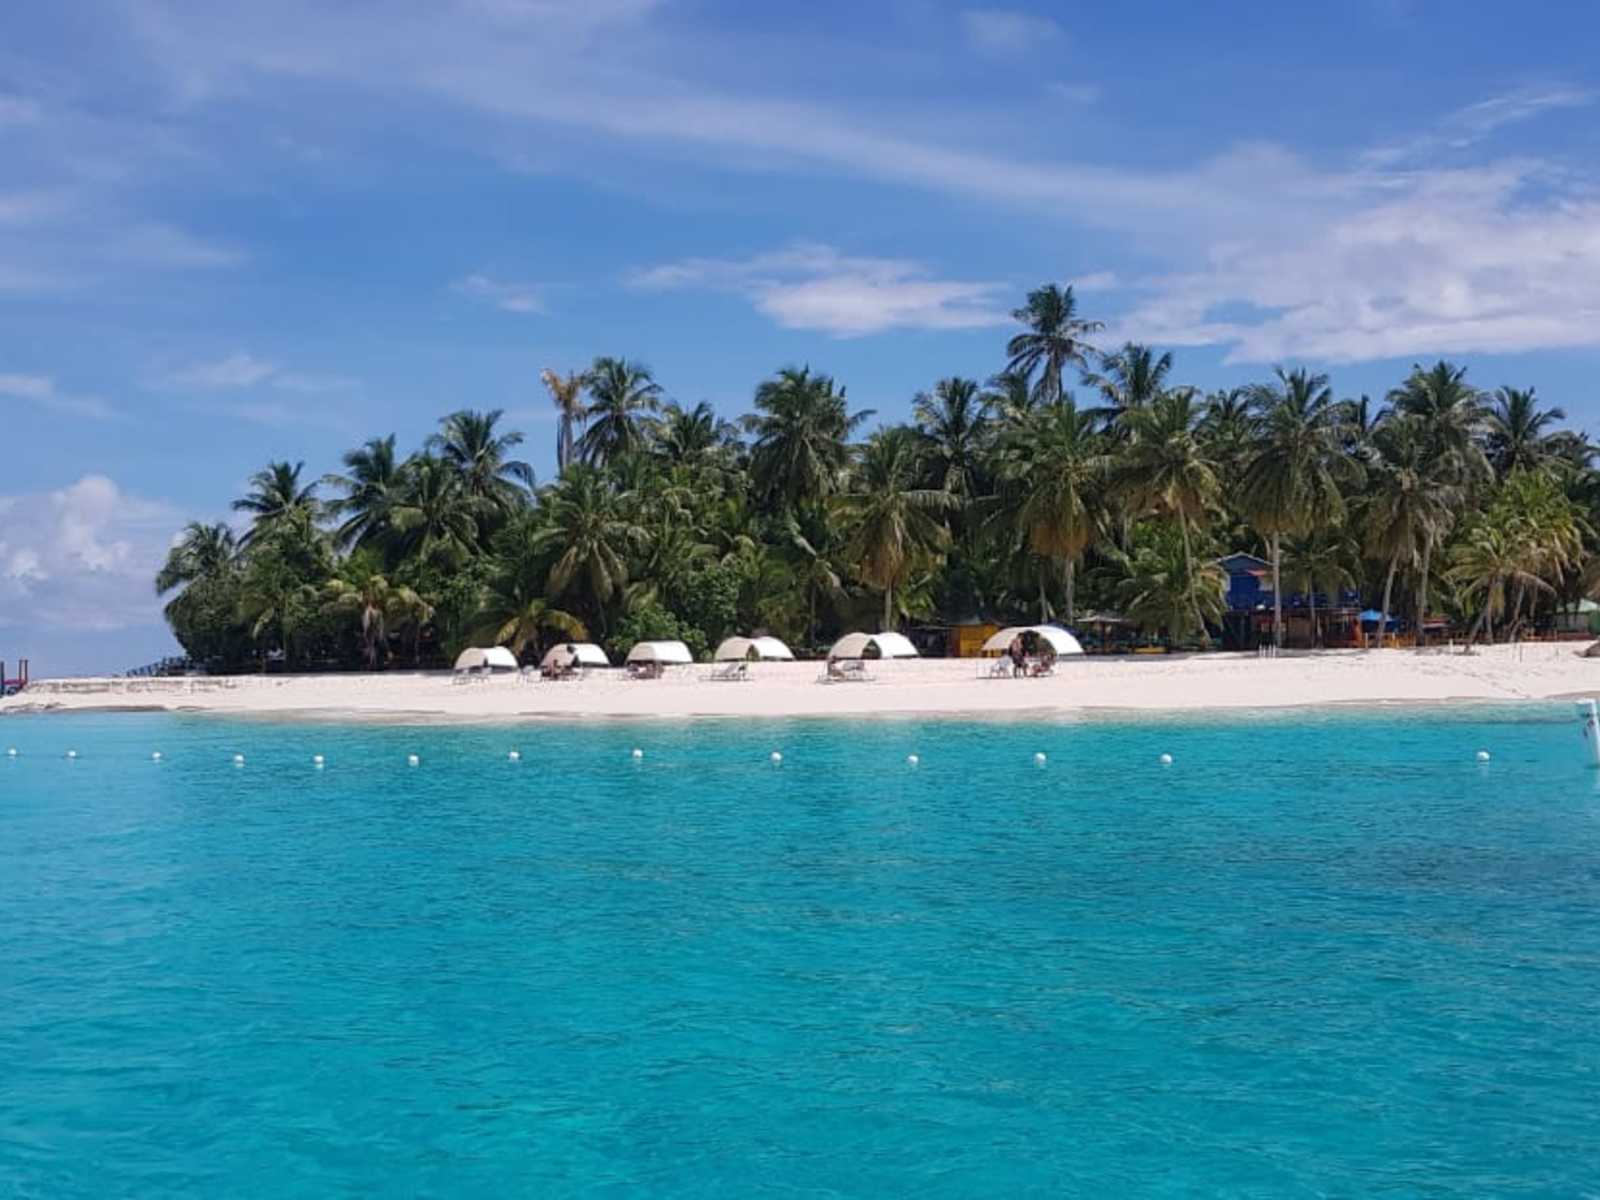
pixel 1313 957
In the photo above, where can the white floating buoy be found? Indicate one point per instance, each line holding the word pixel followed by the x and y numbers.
pixel 72 754
pixel 1039 759
pixel 515 756
pixel 238 760
pixel 912 760
pixel 638 753
pixel 1591 727
pixel 155 756
pixel 12 752
pixel 1483 756
pixel 776 758
pixel 413 761
pixel 1166 760
pixel 317 760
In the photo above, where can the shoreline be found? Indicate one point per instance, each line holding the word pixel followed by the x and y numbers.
pixel 1085 688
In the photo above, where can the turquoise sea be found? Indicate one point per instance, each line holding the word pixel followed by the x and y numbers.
pixel 1314 956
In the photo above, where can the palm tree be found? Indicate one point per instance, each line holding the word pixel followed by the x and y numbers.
pixel 1166 469
pixel 802 428
pixel 1404 506
pixel 1055 338
pixel 1450 413
pixel 1160 585
pixel 1519 434
pixel 362 590
pixel 690 436
pixel 1132 378
pixel 1486 563
pixel 515 611
pixel 468 444
pixel 566 393
pixel 276 494
pixel 1009 395
pixel 586 526
pixel 1292 483
pixel 1324 558
pixel 622 394
pixel 201 552
pixel 1051 469
pixel 374 479
pixel 955 425
pixel 808 563
pixel 891 518
pixel 435 518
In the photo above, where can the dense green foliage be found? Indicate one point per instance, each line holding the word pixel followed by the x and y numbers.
pixel 1005 500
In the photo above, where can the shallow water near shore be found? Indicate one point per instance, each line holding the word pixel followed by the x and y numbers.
pixel 1318 954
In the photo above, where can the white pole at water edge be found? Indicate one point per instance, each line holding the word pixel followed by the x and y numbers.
pixel 1591 728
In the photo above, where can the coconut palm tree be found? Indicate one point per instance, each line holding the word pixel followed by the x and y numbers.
pixel 468 443
pixel 1009 395
pixel 515 611
pixel 622 395
pixel 1131 378
pixel 1451 415
pixel 1166 469
pixel 1051 469
pixel 1055 338
pixel 1326 557
pixel 361 590
pixel 1405 504
pixel 1519 433
pixel 1160 585
pixel 892 520
pixel 802 427
pixel 276 494
pixel 1293 482
pixel 691 436
pixel 1487 563
pixel 435 519
pixel 374 477
pixel 201 552
pixel 955 424
pixel 566 393
pixel 586 525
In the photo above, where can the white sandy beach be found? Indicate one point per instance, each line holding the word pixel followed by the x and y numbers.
pixel 928 688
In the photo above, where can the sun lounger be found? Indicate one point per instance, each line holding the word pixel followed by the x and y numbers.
pixel 847 670
pixel 734 672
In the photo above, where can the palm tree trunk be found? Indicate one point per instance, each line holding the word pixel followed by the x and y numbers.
pixel 1313 598
pixel 1188 575
pixel 1422 590
pixel 1044 605
pixel 888 607
pixel 1388 590
pixel 1072 575
pixel 1277 590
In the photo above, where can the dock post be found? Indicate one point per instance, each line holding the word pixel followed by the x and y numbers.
pixel 1591 728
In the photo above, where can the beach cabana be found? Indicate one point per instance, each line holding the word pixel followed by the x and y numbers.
pixel 873 645
pixel 663 654
pixel 1057 638
pixel 741 649
pixel 568 658
pixel 486 659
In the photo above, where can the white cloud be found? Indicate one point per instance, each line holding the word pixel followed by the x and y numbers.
pixel 226 374
pixel 818 288
pixel 18 110
pixel 1007 31
pixel 521 298
pixel 1075 93
pixel 42 390
pixel 82 557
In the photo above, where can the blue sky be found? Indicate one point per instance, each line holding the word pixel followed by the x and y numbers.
pixel 233 231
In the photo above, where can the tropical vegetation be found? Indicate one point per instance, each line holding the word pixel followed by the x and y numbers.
pixel 1078 477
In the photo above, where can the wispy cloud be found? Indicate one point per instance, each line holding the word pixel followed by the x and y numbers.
pixel 816 287
pixel 1008 31
pixel 521 298
pixel 42 391
pixel 224 374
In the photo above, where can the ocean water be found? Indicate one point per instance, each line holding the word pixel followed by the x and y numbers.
pixel 1315 956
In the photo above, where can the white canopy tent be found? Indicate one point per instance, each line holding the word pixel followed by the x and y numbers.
pixel 486 658
pixel 665 653
pixel 1057 638
pixel 737 649
pixel 576 654
pixel 887 645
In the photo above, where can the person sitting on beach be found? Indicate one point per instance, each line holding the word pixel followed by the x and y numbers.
pixel 1018 657
pixel 1047 662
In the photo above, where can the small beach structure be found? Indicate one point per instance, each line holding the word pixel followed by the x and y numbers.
pixel 649 660
pixel 762 649
pixel 848 656
pixel 486 660
pixel 569 660
pixel 1029 651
